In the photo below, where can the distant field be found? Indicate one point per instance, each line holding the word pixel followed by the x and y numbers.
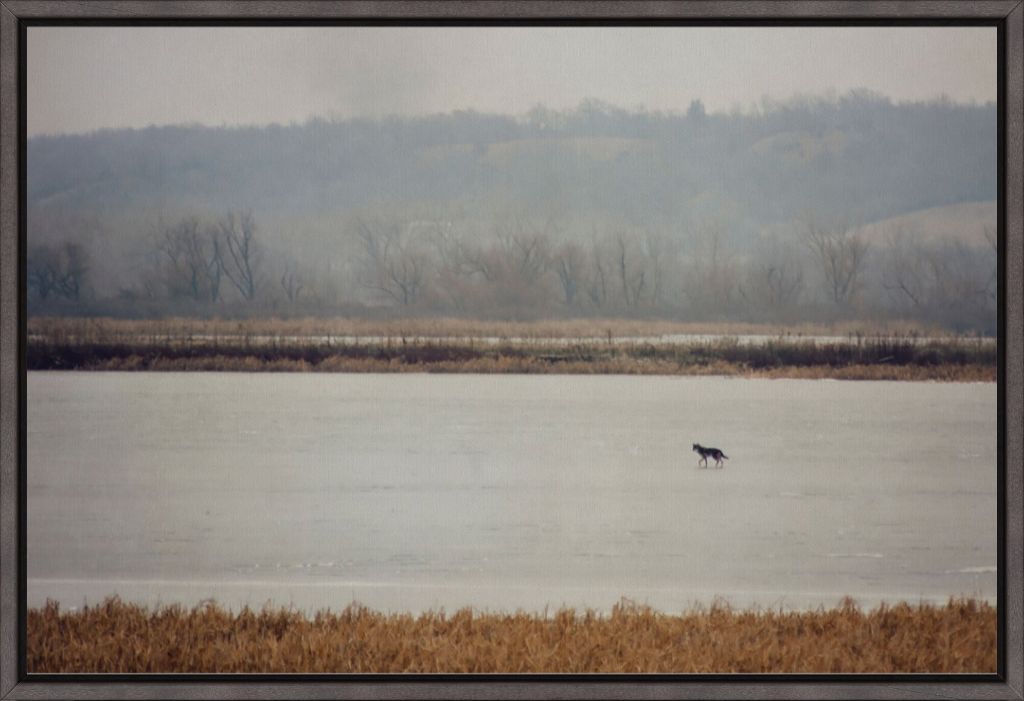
pixel 119 637
pixel 965 222
pixel 599 148
pixel 575 347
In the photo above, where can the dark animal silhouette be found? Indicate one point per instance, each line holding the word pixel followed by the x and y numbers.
pixel 706 453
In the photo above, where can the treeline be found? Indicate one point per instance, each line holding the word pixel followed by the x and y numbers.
pixel 765 165
pixel 595 210
pixel 522 267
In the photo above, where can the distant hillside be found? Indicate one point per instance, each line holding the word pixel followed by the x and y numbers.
pixel 861 157
pixel 966 222
pixel 595 210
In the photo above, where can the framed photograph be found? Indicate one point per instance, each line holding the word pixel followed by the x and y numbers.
pixel 562 349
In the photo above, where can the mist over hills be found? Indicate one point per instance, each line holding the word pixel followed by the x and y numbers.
pixel 541 210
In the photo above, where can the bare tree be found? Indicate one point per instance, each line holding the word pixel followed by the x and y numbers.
pixel 214 266
pixel 774 278
pixel 961 279
pixel 237 234
pixel 76 268
pixel 457 263
pixel 632 273
pixel 478 260
pixel 511 269
pixel 840 253
pixel 570 262
pixel 597 283
pixel 660 253
pixel 192 262
pixel 395 267
pixel 59 271
pixel 43 270
pixel 781 282
pixel 447 244
pixel 291 282
pixel 949 282
pixel 524 247
pixel 711 279
pixel 905 273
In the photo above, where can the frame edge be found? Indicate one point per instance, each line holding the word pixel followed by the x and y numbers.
pixel 1014 263
pixel 513 9
pixel 13 12
pixel 9 320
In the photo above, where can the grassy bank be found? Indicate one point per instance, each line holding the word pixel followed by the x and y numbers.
pixel 120 637
pixel 446 327
pixel 458 346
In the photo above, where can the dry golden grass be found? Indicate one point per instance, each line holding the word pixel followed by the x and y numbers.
pixel 904 373
pixel 92 327
pixel 118 637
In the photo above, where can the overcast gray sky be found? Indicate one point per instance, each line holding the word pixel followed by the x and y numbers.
pixel 86 78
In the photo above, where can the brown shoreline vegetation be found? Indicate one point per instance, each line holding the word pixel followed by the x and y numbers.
pixel 454 327
pixel 462 346
pixel 118 637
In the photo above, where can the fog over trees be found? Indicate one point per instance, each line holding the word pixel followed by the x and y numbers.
pixel 777 214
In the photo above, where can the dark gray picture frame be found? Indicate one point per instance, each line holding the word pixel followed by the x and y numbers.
pixel 1008 15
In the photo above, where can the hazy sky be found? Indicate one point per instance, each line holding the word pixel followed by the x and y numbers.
pixel 85 78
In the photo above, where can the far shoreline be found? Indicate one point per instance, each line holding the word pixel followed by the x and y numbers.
pixel 972 373
pixel 574 347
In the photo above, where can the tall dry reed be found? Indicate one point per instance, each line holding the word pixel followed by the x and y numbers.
pixel 443 327
pixel 120 637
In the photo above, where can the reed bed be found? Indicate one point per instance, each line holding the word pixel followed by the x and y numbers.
pixel 445 327
pixel 103 345
pixel 959 637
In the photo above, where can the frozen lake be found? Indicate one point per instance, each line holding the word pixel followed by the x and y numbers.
pixel 410 492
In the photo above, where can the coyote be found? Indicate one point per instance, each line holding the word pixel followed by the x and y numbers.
pixel 705 453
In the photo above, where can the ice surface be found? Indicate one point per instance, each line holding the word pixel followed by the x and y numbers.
pixel 409 492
